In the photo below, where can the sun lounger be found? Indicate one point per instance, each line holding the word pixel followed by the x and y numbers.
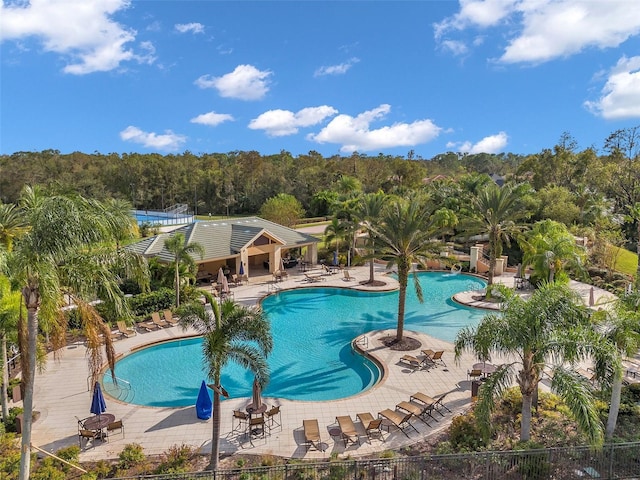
pixel 439 404
pixel 348 429
pixel 419 411
pixel 400 420
pixel 148 326
pixel 433 358
pixel 313 277
pixel 155 318
pixel 371 425
pixel 411 361
pixel 124 330
pixel 168 317
pixel 312 434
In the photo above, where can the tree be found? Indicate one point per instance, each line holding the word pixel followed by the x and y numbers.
pixel 495 211
pixel 10 304
pixel 622 328
pixel 369 212
pixel 550 330
pixel 69 249
pixel 405 237
pixel 549 247
pixel 230 332
pixel 336 231
pixel 284 209
pixel 12 225
pixel 181 251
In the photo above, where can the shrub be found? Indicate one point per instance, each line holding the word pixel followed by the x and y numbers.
pixel 9 456
pixel 131 455
pixel 146 303
pixel 10 421
pixel 176 459
pixel 533 467
pixel 464 434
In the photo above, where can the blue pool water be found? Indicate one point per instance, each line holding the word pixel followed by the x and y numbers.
pixel 312 357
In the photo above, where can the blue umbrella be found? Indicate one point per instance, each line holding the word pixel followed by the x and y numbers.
pixel 241 268
pixel 98 405
pixel 335 259
pixel 204 405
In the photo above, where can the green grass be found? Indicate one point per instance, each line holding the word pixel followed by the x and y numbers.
pixel 626 261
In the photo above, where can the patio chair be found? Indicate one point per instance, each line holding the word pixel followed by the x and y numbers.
pixel 347 276
pixel 439 404
pixel 117 425
pixel 400 420
pixel 347 429
pixel 241 418
pixel 270 417
pixel 372 426
pixel 411 361
pixel 312 434
pixel 434 358
pixel 474 373
pixel 419 411
pixel 124 330
pixel 257 427
pixel 155 318
pixel 88 435
pixel 169 318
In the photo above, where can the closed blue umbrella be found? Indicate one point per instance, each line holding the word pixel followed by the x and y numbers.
pixel 241 268
pixel 98 405
pixel 335 259
pixel 204 405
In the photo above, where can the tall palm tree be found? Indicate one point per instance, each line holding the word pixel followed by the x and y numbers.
pixel 368 213
pixel 230 332
pixel 552 329
pixel 336 231
pixel 69 249
pixel 181 251
pixel 622 328
pixel 495 211
pixel 405 236
pixel 549 247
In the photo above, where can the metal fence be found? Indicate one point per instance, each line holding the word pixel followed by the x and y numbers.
pixel 616 461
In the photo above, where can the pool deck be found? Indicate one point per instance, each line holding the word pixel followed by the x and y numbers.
pixel 62 393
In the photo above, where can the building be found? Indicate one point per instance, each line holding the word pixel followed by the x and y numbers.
pixel 238 246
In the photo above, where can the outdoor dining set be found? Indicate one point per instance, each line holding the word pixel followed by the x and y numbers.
pixel 100 425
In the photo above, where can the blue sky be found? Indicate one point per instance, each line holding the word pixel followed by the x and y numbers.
pixel 334 77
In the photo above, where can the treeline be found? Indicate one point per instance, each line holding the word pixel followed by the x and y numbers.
pixel 229 183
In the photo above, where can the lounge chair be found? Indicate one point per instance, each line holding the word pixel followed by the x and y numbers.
pixel 168 317
pixel 420 411
pixel 312 434
pixel 347 429
pixel 155 318
pixel 371 425
pixel 124 330
pixel 313 277
pixel 439 404
pixel 148 326
pixel 347 276
pixel 411 361
pixel 434 358
pixel 400 420
pixel 588 374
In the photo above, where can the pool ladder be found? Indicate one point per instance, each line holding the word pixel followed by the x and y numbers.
pixel 121 390
pixel 363 341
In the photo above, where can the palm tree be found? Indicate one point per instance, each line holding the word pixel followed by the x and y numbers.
pixel 495 210
pixel 181 251
pixel 68 249
pixel 405 236
pixel 369 212
pixel 622 328
pixel 12 225
pixel 10 304
pixel 336 231
pixel 551 329
pixel 231 332
pixel 549 247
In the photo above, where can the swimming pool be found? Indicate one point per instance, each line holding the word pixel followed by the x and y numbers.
pixel 312 357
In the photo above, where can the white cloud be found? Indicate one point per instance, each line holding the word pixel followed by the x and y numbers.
pixel 340 69
pixel 491 144
pixel 354 133
pixel 82 31
pixel 621 94
pixel 168 141
pixel 212 119
pixel 189 27
pixel 278 123
pixel 547 29
pixel 456 47
pixel 246 82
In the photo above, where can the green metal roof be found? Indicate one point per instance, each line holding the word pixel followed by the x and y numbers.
pixel 222 238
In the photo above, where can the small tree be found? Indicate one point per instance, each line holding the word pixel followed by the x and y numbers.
pixel 284 209
pixel 181 252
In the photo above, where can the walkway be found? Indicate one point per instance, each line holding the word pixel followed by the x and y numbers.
pixel 62 393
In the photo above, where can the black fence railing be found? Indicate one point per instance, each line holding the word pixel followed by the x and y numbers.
pixel 615 461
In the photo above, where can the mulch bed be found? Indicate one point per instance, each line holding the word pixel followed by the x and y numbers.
pixel 406 344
